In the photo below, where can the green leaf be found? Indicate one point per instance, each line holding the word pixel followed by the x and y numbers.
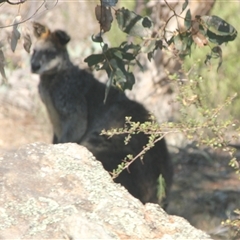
pixel 184 6
pixel 161 188
pixel 114 64
pixel 217 53
pixel 182 43
pixel 94 59
pixel 121 54
pixel 2 70
pixel 128 56
pixel 218 26
pixel 216 29
pixel 139 65
pixel 187 19
pixel 97 38
pixel 146 22
pixel 109 3
pixel 134 24
pixel 117 53
pixel 124 80
pixel 150 52
pixel 130 80
pixel 148 46
pixel 105 47
pixel 134 47
pixel 150 56
pixel 108 86
pixel 219 39
pixel 119 76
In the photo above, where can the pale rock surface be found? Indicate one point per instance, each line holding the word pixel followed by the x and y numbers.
pixel 62 192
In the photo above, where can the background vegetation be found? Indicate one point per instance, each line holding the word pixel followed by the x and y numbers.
pixel 217 86
pixel 208 100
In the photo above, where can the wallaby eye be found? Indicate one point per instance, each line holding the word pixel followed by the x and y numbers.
pixel 51 53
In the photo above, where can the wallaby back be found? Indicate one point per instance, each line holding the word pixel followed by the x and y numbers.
pixel 74 101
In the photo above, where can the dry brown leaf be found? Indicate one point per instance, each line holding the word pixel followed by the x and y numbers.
pixel 200 39
pixel 104 17
pixel 27 42
pixel 197 36
pixel 195 27
pixel 15 33
pixel 2 64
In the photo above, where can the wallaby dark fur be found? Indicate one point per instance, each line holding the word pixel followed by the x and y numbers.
pixel 74 102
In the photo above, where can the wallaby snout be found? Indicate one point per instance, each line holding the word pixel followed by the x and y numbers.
pixel 35 65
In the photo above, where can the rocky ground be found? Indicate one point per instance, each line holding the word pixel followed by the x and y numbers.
pixel 61 192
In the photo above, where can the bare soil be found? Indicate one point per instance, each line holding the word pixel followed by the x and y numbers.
pixel 206 190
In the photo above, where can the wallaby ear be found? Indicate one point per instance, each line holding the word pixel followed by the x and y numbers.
pixel 40 31
pixel 62 37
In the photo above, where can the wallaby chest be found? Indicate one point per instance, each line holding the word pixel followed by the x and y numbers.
pixel 45 88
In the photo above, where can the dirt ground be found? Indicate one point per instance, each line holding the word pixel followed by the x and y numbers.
pixel 205 191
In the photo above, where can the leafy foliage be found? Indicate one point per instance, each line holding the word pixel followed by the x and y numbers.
pixel 234 223
pixel 116 61
pixel 216 52
pixel 151 128
pixel 223 83
pixel 133 24
pixel 202 31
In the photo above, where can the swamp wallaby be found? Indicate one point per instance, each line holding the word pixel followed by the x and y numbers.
pixel 74 102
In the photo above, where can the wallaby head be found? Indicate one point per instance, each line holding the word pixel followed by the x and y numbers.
pixel 50 54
